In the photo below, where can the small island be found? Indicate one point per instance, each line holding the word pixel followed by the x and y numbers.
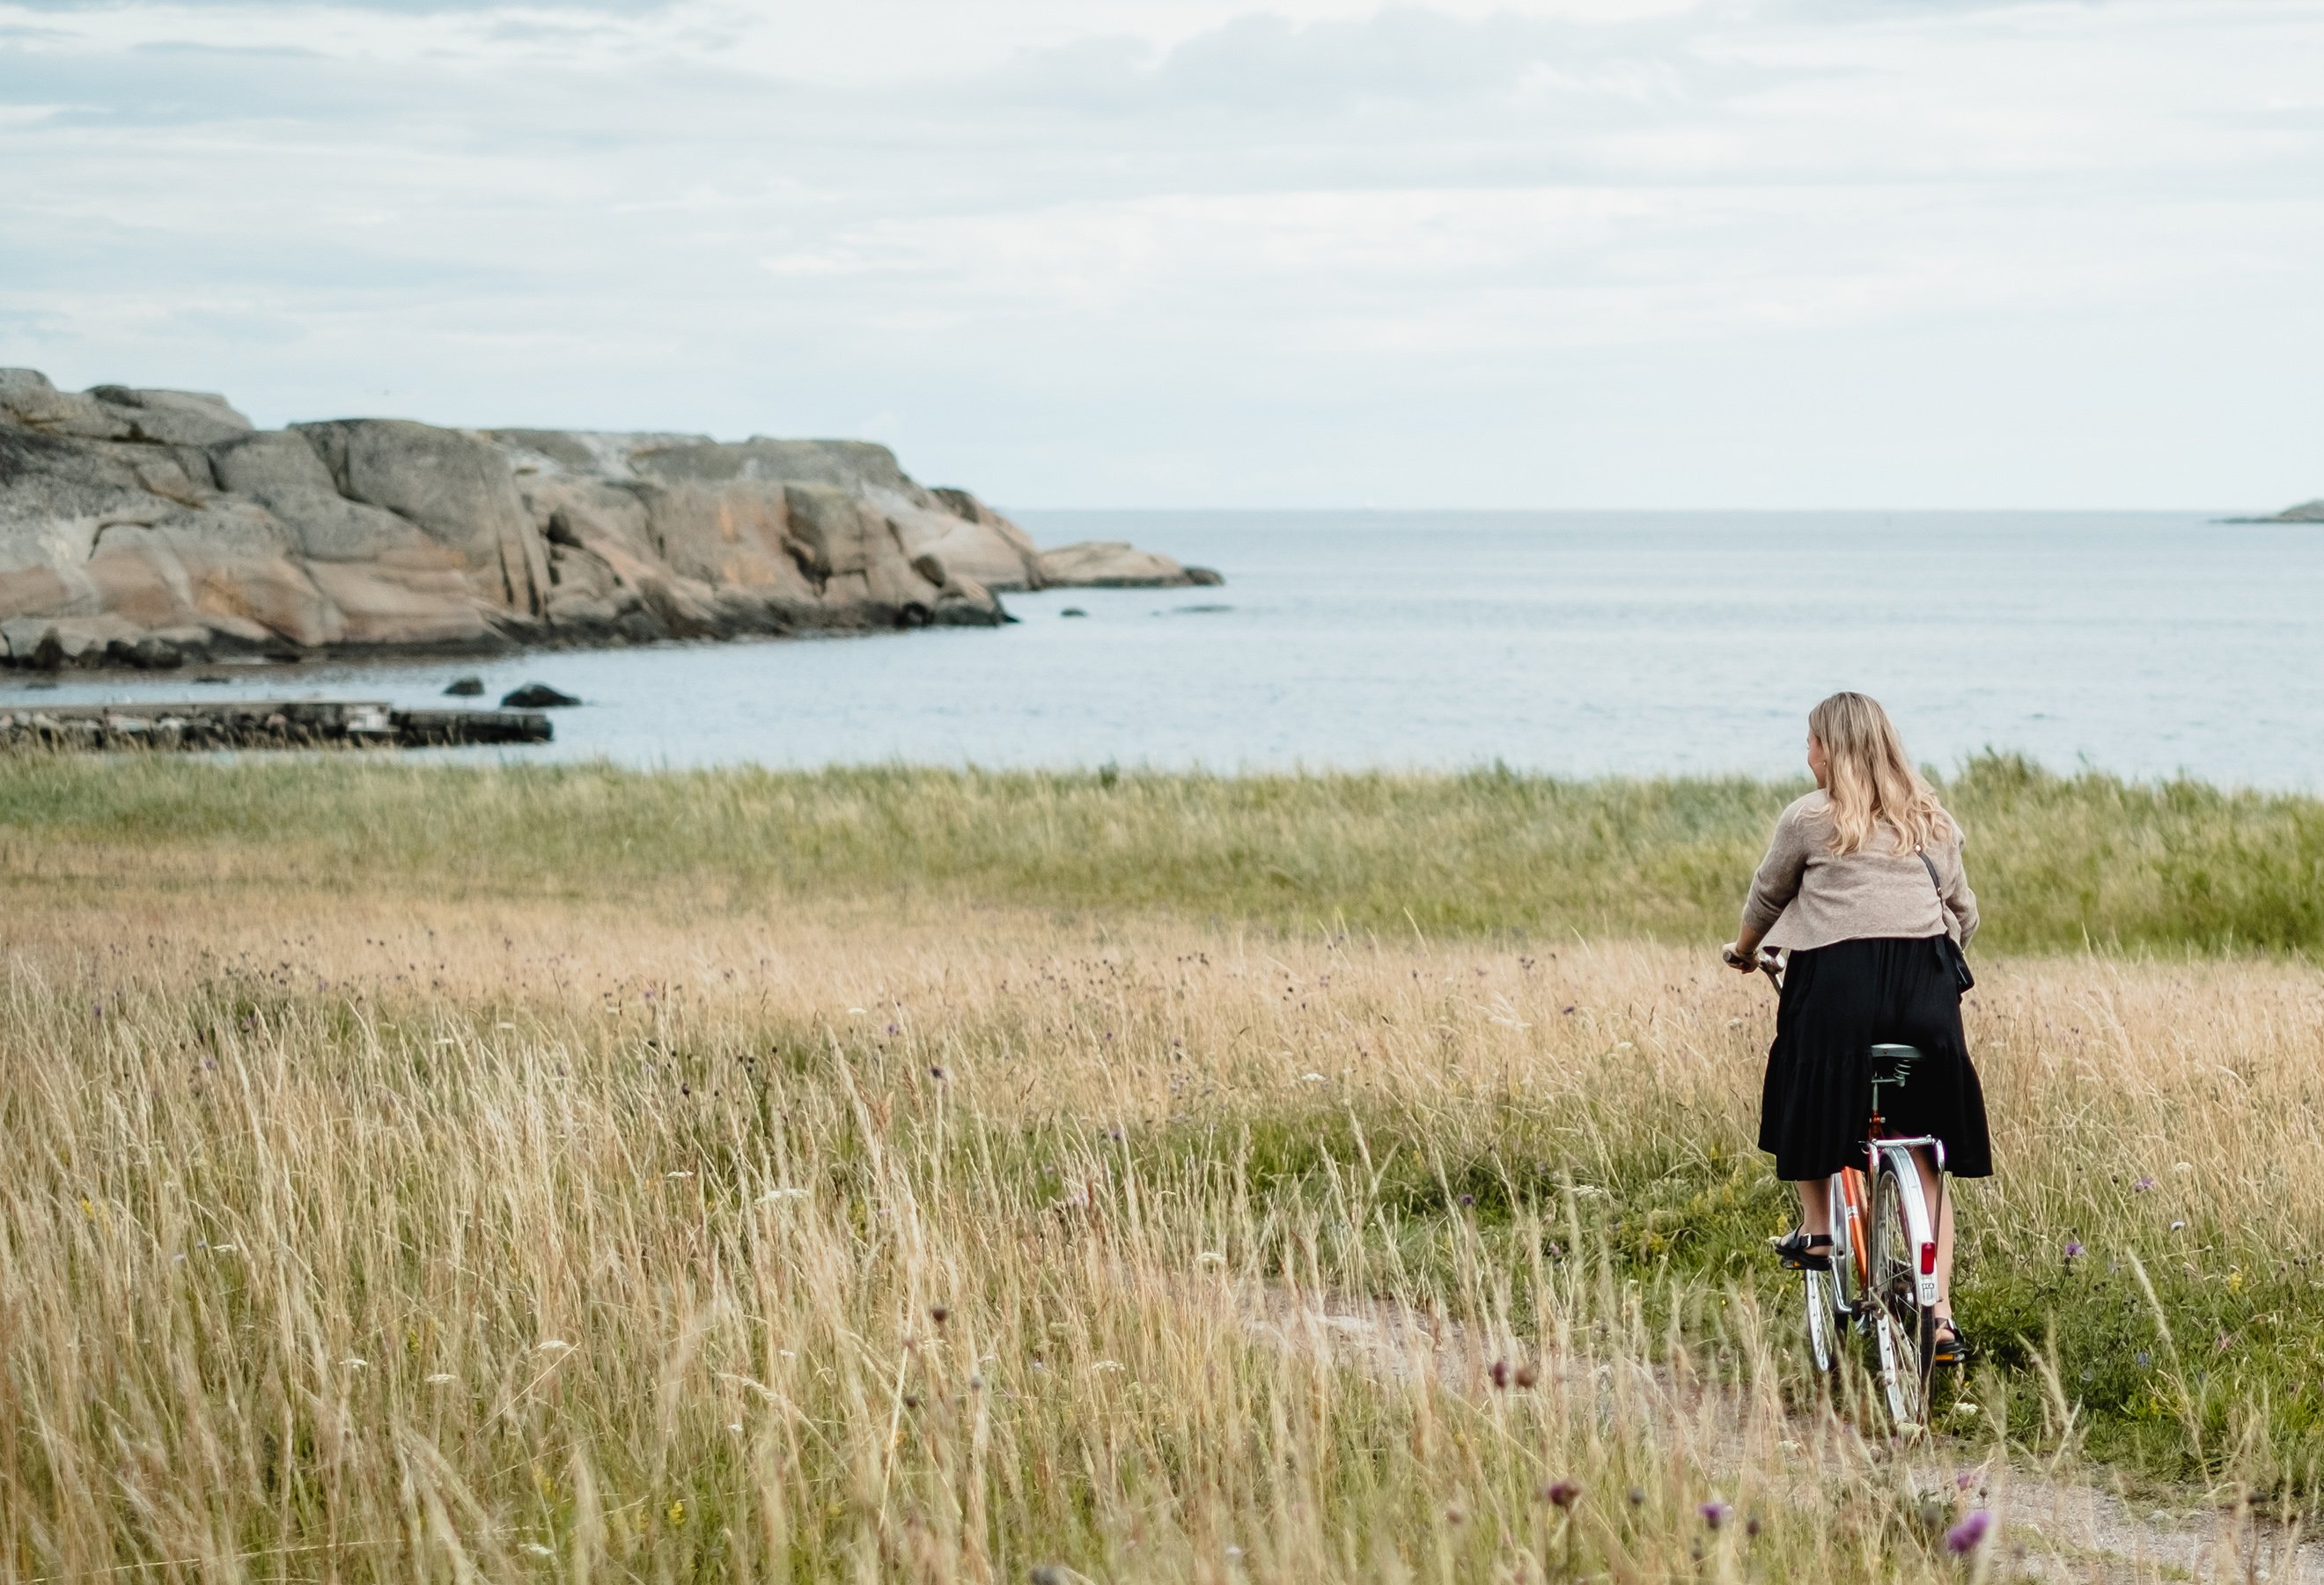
pixel 152 528
pixel 2306 512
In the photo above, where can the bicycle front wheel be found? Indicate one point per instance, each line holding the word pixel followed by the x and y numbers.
pixel 1904 1313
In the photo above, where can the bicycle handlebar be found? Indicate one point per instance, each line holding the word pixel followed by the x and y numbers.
pixel 1770 962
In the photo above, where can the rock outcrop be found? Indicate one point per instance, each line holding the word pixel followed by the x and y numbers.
pixel 2306 512
pixel 146 527
pixel 1116 565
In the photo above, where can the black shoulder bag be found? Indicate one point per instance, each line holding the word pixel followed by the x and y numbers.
pixel 1949 949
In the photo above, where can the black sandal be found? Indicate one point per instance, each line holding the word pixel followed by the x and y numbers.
pixel 1804 1251
pixel 1949 1347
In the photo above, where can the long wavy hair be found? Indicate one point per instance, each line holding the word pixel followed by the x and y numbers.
pixel 1871 781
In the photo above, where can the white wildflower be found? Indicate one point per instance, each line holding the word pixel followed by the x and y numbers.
pixel 440 1378
pixel 1210 1257
pixel 551 1345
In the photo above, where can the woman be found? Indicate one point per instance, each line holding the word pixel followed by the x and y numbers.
pixel 1863 883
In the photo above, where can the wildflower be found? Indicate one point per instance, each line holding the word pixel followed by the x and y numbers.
pixel 677 1512
pixel 1637 1496
pixel 2144 1359
pixel 2145 1186
pixel 2073 1250
pixel 1714 1513
pixel 1107 1365
pixel 1314 1078
pixel 1964 1536
pixel 1751 1526
pixel 440 1378
pixel 893 1030
pixel 2183 1166
pixel 2176 1226
pixel 735 1428
pixel 680 1174
pixel 858 1011
pixel 551 1345
pixel 935 1071
pixel 1501 1373
pixel 352 1363
pixel 1527 1374
pixel 1467 1199
pixel 539 1551
pixel 1210 1257
pixel 939 1314
pixel 1563 1494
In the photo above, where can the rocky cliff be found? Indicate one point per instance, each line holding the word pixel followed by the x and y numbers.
pixel 151 527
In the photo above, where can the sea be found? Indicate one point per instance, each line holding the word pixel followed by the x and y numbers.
pixel 2151 645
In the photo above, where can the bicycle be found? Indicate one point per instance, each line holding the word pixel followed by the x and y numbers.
pixel 1880 1280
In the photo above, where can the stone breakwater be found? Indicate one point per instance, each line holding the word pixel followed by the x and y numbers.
pixel 150 528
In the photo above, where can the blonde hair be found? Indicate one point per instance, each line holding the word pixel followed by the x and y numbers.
pixel 1871 781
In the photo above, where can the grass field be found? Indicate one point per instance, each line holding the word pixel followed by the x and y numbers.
pixel 423 1173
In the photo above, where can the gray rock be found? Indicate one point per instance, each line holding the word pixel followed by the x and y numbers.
pixel 282 472
pixel 130 514
pixel 173 418
pixel 457 488
pixel 1110 564
pixel 28 401
pixel 2306 512
pixel 464 687
pixel 851 465
pixel 535 696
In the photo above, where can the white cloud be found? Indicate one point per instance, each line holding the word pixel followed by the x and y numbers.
pixel 1136 251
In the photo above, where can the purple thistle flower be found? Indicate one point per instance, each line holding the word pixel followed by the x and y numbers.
pixel 1564 1493
pixel 1714 1513
pixel 2143 1186
pixel 1964 1536
pixel 2074 1250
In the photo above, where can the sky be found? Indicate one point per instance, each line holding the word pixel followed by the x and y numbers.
pixel 1756 253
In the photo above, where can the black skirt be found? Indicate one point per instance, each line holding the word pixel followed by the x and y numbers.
pixel 1839 1002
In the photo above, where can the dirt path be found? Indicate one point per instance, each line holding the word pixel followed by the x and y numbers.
pixel 2054 1525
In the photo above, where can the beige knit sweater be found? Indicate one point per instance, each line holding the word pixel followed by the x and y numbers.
pixel 1805 896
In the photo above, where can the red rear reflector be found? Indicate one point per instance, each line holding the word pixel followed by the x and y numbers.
pixel 1928 1260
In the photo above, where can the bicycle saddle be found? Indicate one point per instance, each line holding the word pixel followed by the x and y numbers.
pixel 1891 1065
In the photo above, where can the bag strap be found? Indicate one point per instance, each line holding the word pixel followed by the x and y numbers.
pixel 1930 865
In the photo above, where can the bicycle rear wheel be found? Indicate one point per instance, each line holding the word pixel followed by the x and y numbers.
pixel 1903 1315
pixel 1823 1323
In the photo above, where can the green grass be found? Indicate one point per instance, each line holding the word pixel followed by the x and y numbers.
pixel 2059 863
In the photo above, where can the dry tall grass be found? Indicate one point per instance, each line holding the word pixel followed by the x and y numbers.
pixel 354 1238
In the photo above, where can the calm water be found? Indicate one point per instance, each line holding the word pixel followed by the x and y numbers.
pixel 2146 644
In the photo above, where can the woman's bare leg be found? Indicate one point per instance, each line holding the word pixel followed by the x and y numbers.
pixel 1815 1207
